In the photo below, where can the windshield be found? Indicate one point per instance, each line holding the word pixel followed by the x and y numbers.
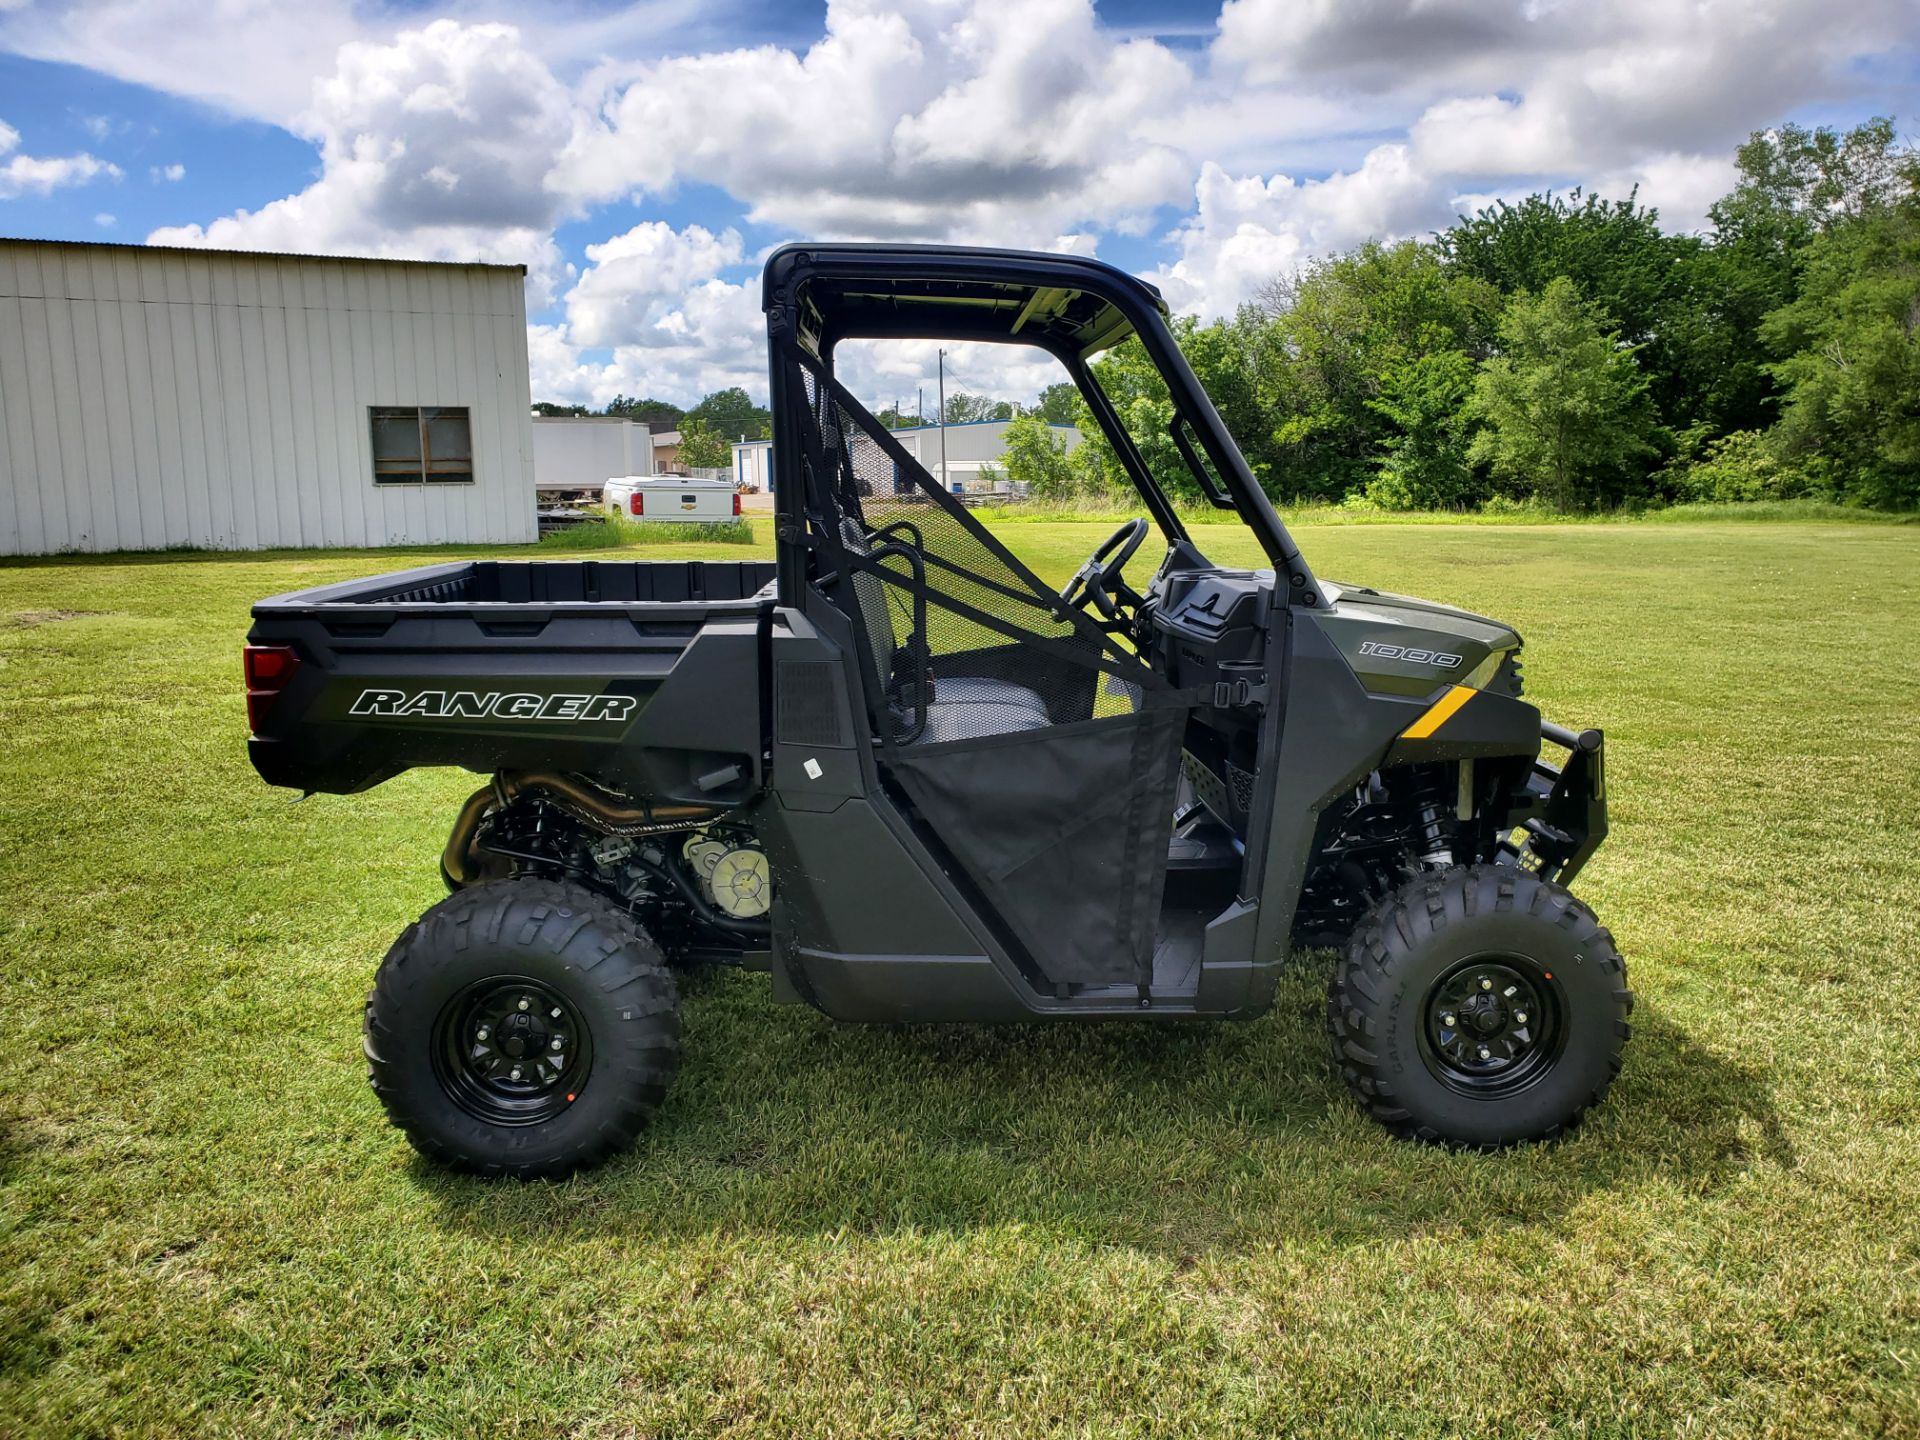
pixel 1165 441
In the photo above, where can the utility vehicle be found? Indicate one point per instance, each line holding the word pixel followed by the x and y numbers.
pixel 897 771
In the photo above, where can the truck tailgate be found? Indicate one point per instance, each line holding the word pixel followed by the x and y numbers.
pixel 674 499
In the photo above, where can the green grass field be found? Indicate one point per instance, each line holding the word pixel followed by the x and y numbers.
pixel 207 1227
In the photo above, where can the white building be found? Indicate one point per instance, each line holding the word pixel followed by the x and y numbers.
pixel 154 397
pixel 753 464
pixel 972 448
pixel 583 452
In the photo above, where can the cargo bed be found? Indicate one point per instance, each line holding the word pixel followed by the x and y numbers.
pixel 518 665
pixel 543 582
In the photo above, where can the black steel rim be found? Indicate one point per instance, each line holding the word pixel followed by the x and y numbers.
pixel 1493 1025
pixel 511 1050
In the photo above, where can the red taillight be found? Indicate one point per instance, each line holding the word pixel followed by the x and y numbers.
pixel 636 504
pixel 736 503
pixel 268 669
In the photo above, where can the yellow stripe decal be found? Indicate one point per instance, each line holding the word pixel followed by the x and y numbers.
pixel 1438 713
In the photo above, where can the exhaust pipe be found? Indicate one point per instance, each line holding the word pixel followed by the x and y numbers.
pixel 457 866
pixel 587 803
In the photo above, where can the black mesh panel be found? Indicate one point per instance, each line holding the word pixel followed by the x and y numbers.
pixel 1052 789
pixel 962 638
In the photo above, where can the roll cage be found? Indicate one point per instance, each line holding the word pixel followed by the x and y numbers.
pixel 1072 307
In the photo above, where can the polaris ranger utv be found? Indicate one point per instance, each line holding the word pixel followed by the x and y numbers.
pixel 914 783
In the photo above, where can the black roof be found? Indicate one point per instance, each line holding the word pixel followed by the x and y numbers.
pixel 1067 303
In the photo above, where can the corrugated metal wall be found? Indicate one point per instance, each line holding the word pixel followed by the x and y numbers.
pixel 154 398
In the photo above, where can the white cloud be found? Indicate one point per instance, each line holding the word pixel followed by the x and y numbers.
pixel 262 58
pixel 1585 90
pixel 256 58
pixel 1681 187
pixel 656 299
pixel 106 221
pixel 635 281
pixel 558 373
pixel 436 146
pixel 1246 230
pixel 1010 120
pixel 160 174
pixel 31 175
pixel 712 338
pixel 1372 45
pixel 1513 95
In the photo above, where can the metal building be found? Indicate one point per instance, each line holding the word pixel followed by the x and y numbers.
pixel 753 464
pixel 154 398
pixel 971 448
pixel 975 454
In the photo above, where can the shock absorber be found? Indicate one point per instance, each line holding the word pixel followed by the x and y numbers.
pixel 1432 839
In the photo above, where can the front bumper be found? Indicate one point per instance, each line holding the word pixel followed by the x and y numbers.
pixel 1564 817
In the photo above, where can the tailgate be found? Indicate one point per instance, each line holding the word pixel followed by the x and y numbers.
pixel 435 667
pixel 702 501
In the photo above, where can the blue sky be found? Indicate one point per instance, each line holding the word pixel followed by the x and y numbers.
pixel 640 158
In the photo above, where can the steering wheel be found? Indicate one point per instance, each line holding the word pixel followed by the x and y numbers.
pixel 1098 581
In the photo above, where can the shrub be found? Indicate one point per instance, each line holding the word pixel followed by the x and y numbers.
pixel 1508 505
pixel 1745 465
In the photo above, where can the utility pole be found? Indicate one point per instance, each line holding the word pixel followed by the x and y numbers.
pixel 943 423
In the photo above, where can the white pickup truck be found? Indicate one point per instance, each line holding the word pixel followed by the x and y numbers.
pixel 670 498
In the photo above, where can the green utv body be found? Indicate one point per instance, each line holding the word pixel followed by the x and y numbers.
pixel 913 783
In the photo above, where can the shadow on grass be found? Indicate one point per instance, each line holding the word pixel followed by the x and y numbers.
pixel 1180 1138
pixel 14 1149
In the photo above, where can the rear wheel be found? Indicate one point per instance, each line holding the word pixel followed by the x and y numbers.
pixel 522 1027
pixel 1480 1007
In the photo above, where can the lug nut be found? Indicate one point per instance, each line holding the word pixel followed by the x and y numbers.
pixel 1485 1054
pixel 1446 1020
pixel 1519 1017
pixel 558 1042
pixel 1485 984
pixel 525 1004
pixel 481 1033
pixel 515 1073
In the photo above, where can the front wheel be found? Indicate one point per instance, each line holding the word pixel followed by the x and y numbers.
pixel 1480 1007
pixel 522 1027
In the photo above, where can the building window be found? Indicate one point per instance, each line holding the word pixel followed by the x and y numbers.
pixel 422 445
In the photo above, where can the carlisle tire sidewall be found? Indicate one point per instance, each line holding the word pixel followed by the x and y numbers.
pixel 1583 989
pixel 431 990
pixel 437 963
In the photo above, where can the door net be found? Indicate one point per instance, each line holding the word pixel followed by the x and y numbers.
pixel 1040 752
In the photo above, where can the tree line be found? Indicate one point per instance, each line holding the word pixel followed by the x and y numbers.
pixel 1565 351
